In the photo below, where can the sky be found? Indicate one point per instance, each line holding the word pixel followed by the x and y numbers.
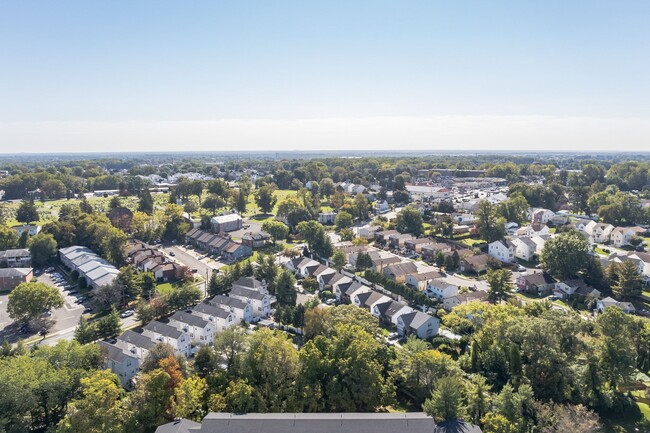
pixel 80 76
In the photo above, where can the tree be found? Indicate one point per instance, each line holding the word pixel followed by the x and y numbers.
pixel 478 397
pixel 149 402
pixel 157 353
pixel 189 400
pixel 285 287
pixel 409 220
pixel 360 207
pixel 628 282
pixel 109 325
pixel 100 407
pixel 343 220
pixel 27 212
pixel 265 199
pixel 146 202
pixel 364 261
pixel 108 295
pixel 500 284
pixel 277 229
pixel 212 203
pixel 338 260
pixel 490 227
pixel 616 352
pixel 23 241
pixel 230 346
pixel 29 300
pixel 565 255
pixel 85 332
pixel 43 249
pixel 112 246
pixel 239 396
pixel 8 238
pixel 446 402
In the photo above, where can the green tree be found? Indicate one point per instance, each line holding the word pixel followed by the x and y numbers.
pixel 85 332
pixel 43 249
pixel 285 288
pixel 500 282
pixel 230 345
pixel 343 220
pixel 616 351
pixel 29 300
pixel 565 255
pixel 360 207
pixel 8 238
pixel 27 212
pixel 23 241
pixel 100 408
pixel 146 202
pixel 478 398
pixel 277 229
pixel 628 282
pixel 265 199
pixel 212 203
pixel 410 221
pixel 338 260
pixel 446 402
pixel 364 261
pixel 109 325
pixel 150 401
pixel 490 227
pixel 239 396
pixel 113 246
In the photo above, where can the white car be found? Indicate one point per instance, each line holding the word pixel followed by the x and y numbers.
pixel 127 313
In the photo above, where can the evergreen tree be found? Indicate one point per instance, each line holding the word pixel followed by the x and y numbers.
pixel 146 202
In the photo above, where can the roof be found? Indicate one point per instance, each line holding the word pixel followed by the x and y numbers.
pixel 14 272
pixel 394 308
pixel 20 252
pixel 179 426
pixel 537 278
pixel 213 310
pixel 456 427
pixel 227 300
pixel 420 241
pixel 354 287
pixel 136 339
pixel 226 218
pixel 189 319
pixel 410 422
pixel 479 295
pixel 402 268
pixel 162 329
pixel 425 276
pixel 245 292
pixel 113 352
pixel 415 319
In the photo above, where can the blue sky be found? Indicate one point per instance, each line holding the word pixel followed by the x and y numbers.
pixel 84 75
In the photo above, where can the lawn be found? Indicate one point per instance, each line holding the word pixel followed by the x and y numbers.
pixel 165 288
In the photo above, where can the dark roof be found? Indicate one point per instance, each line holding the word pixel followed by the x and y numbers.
pixel 212 309
pixel 456 427
pixel 227 300
pixel 402 268
pixel 415 319
pixel 189 319
pixel 136 339
pixel 113 352
pixel 393 308
pixel 248 282
pixel 162 329
pixel 19 252
pixel 179 426
pixel 14 272
pixel 410 422
pixel 245 292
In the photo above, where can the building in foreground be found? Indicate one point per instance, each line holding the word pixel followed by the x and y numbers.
pixel 410 422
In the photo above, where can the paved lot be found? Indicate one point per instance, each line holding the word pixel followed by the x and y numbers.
pixel 193 259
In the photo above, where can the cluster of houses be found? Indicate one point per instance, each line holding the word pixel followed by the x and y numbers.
pixel 219 244
pixel 388 311
pixel 96 271
pixel 602 233
pixel 147 258
pixel 248 301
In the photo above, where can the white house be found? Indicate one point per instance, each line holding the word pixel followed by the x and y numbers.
pixel 252 292
pixel 201 331
pixel 347 294
pixel 465 298
pixel 301 266
pixel 241 310
pixel 441 289
pixel 31 229
pixel 382 207
pixel 124 364
pixel 503 250
pixel 368 300
pixel 327 217
pixel 542 216
pixel 224 312
pixel 602 304
pixel 533 230
pixel 421 324
pixel 525 248
pixel 163 333
pixel 135 344
pixel 621 236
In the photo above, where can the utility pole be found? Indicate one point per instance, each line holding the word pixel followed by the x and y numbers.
pixel 206 282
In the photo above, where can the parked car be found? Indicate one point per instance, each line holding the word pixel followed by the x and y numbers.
pixel 88 310
pixel 171 253
pixel 521 268
pixel 127 313
pixel 331 301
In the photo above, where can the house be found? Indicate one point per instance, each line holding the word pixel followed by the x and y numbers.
pixel 503 250
pixel 607 302
pixel 430 251
pixel 226 223
pixel 235 251
pixel 366 232
pixel 124 364
pixel 223 312
pixel 368 300
pixel 31 229
pixel 16 258
pixel 255 239
pixel 397 240
pixel 600 232
pixel 538 283
pixel 331 281
pixel 163 333
pixel 346 294
pixel 169 271
pixel 201 331
pixel 254 293
pixel 475 264
pixel 416 245
pixel 621 236
pixel 382 236
pixel 389 311
pixel 575 288
pixel 301 265
pixel 582 223
pixel 10 278
pixel 326 217
pixel 542 216
pixel 419 281
pixel 441 289
pixel 525 248
pixel 382 259
pixel 383 422
pixel 421 324
pixel 135 344
pixel 382 206
pixel 463 299
pixel 533 230
pixel 399 271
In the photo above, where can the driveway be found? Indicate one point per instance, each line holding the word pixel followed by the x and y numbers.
pixel 192 259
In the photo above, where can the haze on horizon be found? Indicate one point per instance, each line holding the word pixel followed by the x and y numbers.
pixel 377 75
